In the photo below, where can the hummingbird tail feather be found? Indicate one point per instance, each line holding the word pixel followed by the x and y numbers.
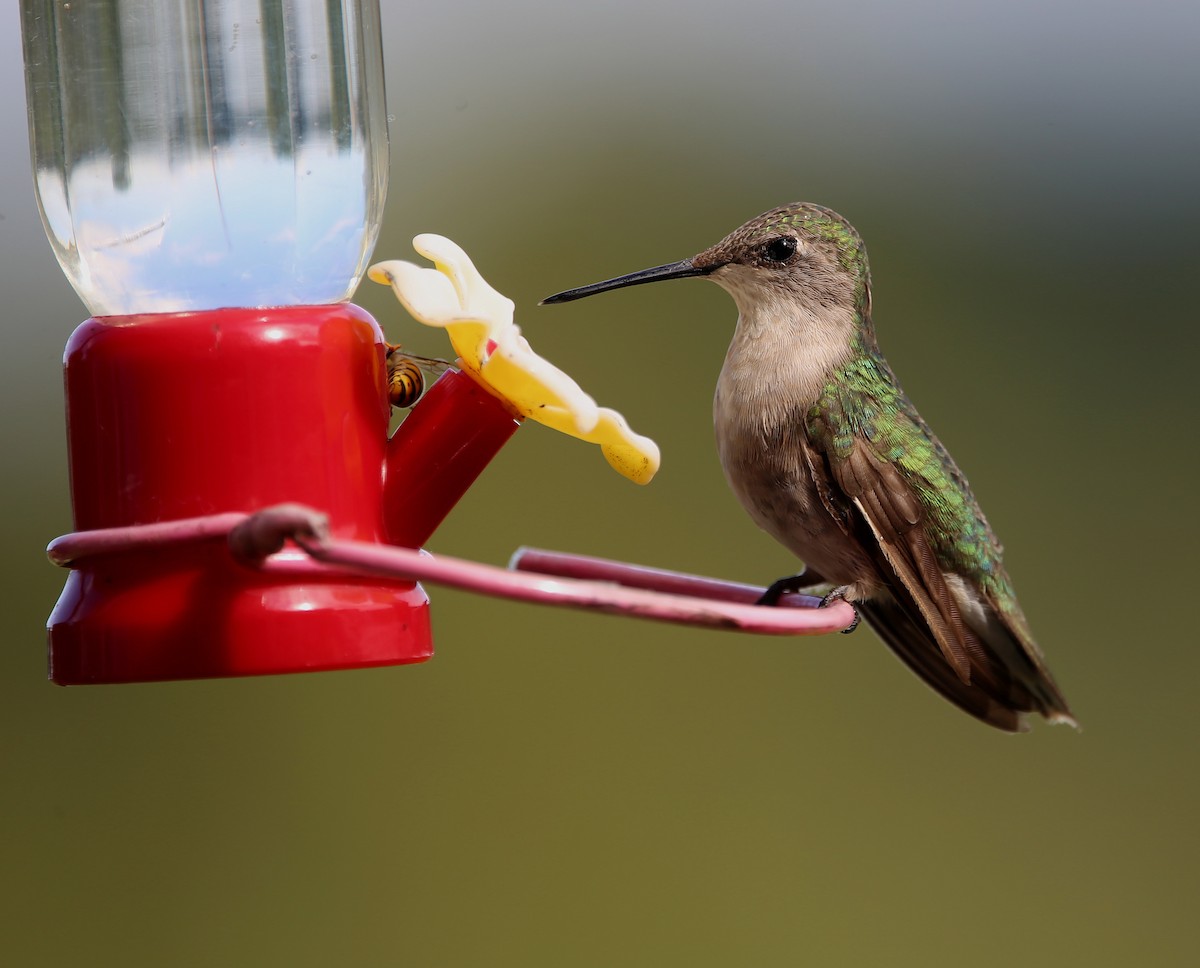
pixel 904 631
pixel 1000 692
pixel 1010 640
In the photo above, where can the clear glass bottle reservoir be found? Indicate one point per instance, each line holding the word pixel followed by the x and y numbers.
pixel 200 154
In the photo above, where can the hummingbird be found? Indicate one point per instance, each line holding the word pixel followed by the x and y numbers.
pixel 826 453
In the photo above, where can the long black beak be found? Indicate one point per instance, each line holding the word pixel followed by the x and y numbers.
pixel 673 270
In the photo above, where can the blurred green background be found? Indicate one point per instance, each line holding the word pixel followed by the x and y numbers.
pixel 566 789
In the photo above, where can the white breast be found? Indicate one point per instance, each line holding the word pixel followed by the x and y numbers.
pixel 773 373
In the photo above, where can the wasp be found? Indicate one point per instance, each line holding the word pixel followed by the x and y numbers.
pixel 406 375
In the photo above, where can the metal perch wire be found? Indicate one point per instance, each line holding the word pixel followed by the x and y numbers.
pixel 265 541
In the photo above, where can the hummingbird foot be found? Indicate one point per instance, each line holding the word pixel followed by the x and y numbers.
pixel 839 595
pixel 790 583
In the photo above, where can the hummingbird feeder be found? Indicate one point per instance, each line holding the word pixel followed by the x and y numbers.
pixel 212 175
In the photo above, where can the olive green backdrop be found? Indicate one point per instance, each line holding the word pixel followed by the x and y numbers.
pixel 565 789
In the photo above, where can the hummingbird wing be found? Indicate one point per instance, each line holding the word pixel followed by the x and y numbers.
pixel 891 509
pixel 949 614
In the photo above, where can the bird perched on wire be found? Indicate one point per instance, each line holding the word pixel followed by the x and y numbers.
pixel 825 452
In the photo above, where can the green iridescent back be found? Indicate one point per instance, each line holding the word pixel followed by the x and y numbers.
pixel 864 401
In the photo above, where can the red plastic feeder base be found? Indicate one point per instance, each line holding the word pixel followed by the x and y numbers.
pixel 198 614
pixel 184 415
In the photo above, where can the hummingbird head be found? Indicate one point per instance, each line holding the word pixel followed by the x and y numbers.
pixel 800 257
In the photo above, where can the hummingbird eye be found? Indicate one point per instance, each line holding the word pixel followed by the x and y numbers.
pixel 780 249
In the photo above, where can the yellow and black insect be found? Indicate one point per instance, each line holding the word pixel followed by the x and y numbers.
pixel 406 375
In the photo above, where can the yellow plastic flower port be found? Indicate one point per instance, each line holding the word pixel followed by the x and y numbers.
pixel 479 322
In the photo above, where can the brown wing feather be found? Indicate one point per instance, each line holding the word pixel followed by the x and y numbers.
pixel 821 482
pixel 894 516
pixel 994 673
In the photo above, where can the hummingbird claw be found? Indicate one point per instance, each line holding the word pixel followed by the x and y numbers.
pixel 802 581
pixel 839 595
